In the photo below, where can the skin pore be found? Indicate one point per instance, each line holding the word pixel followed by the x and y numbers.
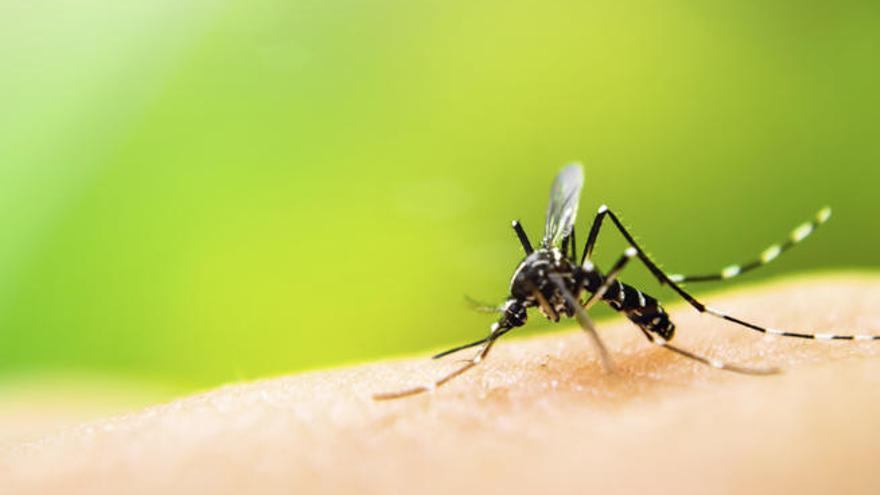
pixel 539 415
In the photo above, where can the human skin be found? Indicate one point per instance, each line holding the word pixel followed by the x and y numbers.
pixel 538 416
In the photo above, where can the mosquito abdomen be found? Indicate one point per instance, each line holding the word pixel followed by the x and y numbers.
pixel 640 308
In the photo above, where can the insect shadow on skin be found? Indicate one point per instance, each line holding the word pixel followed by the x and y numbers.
pixel 553 279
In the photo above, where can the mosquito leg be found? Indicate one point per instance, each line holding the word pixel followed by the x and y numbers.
pixel 783 333
pixel 707 361
pixel 546 306
pixel 797 235
pixel 569 246
pixel 487 344
pixel 702 308
pixel 594 233
pixel 611 277
pixel 652 267
pixel 584 319
pixel 523 238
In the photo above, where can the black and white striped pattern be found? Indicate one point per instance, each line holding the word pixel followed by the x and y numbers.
pixel 783 333
pixel 647 313
pixel 797 235
pixel 714 362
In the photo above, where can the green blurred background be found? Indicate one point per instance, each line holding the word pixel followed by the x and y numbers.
pixel 193 193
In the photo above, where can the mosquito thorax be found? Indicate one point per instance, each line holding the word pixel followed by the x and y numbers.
pixel 532 272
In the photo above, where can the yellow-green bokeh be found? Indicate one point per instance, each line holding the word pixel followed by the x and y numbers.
pixel 197 192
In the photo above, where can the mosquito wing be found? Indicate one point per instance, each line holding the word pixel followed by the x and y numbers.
pixel 562 210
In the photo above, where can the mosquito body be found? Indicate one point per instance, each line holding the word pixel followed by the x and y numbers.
pixel 533 285
pixel 554 280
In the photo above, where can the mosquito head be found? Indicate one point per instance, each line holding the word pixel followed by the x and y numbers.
pixel 513 313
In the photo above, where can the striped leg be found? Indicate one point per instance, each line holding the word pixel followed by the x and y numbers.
pixel 797 235
pixel 497 331
pixel 652 267
pixel 702 308
pixel 610 277
pixel 783 333
pixel 707 361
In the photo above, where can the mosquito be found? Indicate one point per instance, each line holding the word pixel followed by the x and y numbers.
pixel 554 280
